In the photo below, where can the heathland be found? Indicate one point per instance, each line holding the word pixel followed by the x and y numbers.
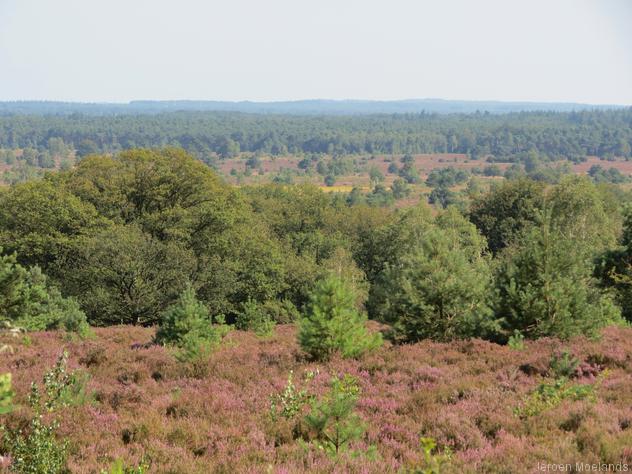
pixel 458 301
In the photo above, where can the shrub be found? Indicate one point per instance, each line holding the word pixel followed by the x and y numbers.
pixel 119 467
pixel 187 325
pixel 6 394
pixel 563 365
pixel 38 450
pixel 253 317
pixel 332 323
pixel 399 188
pixel 549 395
pixel 290 402
pixel 433 461
pixel 281 312
pixel 61 388
pixel 516 341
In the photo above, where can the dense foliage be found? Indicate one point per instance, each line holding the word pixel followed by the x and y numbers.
pixel 186 324
pixel 28 300
pixel 439 285
pixel 154 237
pixel 571 135
pixel 332 323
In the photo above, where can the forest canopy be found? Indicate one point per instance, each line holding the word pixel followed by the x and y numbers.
pixel 507 137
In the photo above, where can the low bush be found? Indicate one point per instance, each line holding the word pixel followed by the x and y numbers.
pixel 282 312
pixel 563 365
pixel 38 449
pixel 549 395
pixel 433 461
pixel 290 402
pixel 516 342
pixel 119 467
pixel 6 394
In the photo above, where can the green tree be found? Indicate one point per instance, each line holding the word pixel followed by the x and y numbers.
pixel 440 286
pixel 342 266
pixel 124 276
pixel 375 175
pixel 28 300
pixel 228 148
pixel 40 219
pixel 614 268
pixel 579 211
pixel 172 209
pixel 254 317
pixel 409 173
pixel 187 325
pixel 87 147
pixel 332 323
pixel 400 189
pixel 546 286
pixel 442 197
pixel 506 210
pixel 446 177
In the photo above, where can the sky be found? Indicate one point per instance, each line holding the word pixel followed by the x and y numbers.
pixel 266 50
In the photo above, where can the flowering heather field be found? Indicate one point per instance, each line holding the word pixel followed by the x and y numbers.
pixel 474 398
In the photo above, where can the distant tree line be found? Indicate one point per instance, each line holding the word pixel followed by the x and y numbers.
pixel 509 137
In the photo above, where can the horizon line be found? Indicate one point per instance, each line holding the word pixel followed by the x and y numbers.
pixel 286 101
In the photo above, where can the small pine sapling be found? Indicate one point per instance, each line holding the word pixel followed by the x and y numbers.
pixel 187 325
pixel 332 323
pixel 332 420
pixel 6 394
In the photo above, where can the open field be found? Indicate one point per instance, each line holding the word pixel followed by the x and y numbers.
pixel 467 395
pixel 235 171
pixel 622 165
pixel 424 163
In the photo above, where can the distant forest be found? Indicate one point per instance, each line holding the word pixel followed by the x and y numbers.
pixel 296 107
pixel 496 137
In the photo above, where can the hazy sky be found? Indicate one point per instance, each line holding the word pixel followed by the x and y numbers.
pixel 119 50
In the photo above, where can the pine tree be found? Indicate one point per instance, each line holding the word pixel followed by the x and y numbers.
pixel 186 324
pixel 547 288
pixel 29 301
pixel 332 323
pixel 440 287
